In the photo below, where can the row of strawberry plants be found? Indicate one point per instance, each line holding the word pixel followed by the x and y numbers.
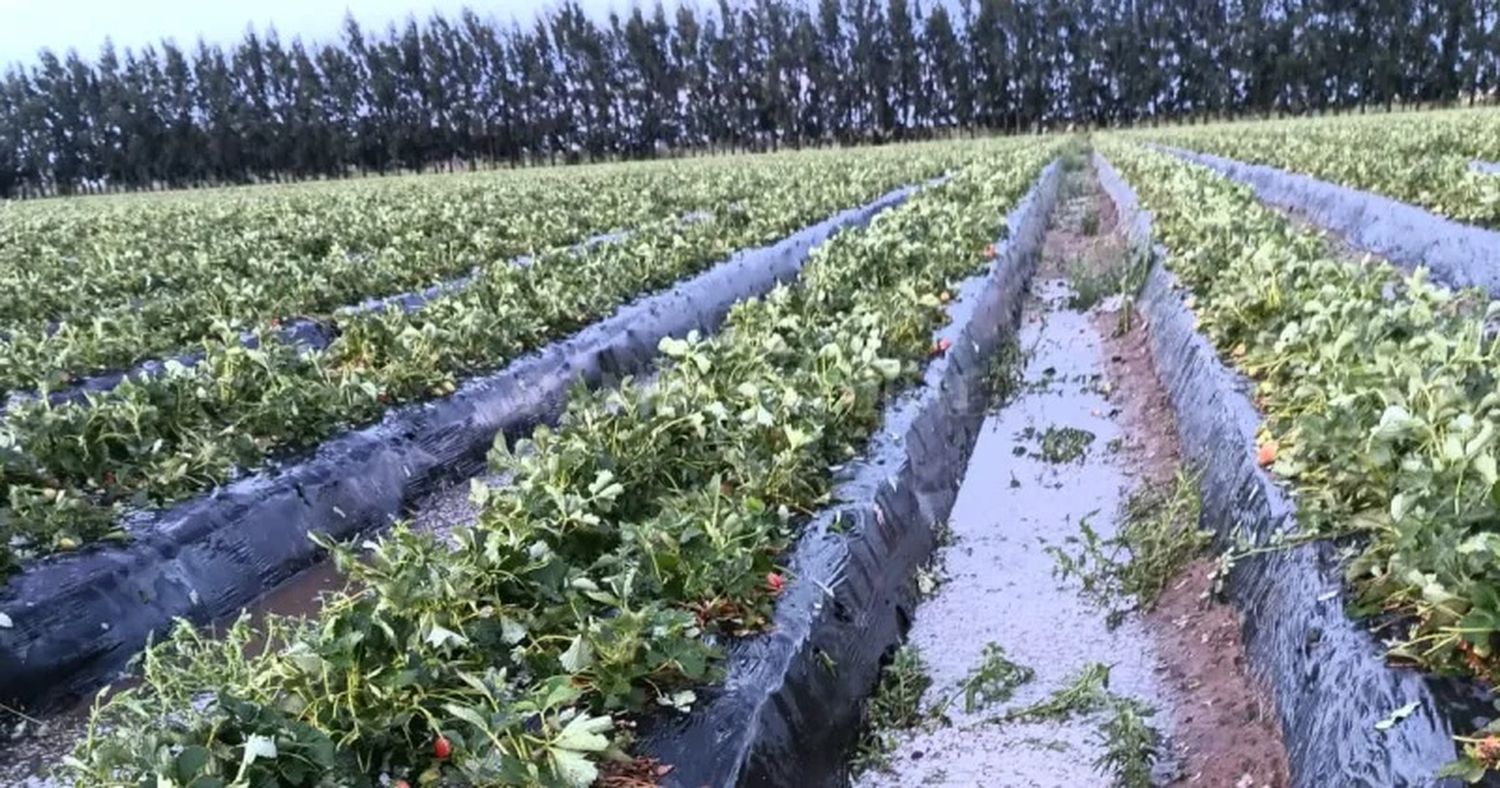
pixel 1422 158
pixel 102 308
pixel 68 256
pixel 110 251
pixel 69 471
pixel 1379 394
pixel 603 580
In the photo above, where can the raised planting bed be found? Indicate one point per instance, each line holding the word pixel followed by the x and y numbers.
pixel 1349 717
pixel 789 708
pixel 100 286
pixel 632 545
pixel 120 287
pixel 75 620
pixel 1458 255
pixel 70 474
pixel 1420 158
pixel 302 332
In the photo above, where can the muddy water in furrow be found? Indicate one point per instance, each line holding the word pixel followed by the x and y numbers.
pixel 1088 428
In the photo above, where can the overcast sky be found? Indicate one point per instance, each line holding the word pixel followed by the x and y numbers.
pixel 28 25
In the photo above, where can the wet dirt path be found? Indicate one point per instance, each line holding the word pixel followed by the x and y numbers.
pixel 1088 429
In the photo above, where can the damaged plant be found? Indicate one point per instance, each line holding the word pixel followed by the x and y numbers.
pixel 1131 745
pixel 1062 445
pixel 1086 692
pixel 894 706
pixel 1158 537
pixel 1004 375
pixel 994 680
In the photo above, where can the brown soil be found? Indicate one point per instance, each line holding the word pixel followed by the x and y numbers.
pixel 1227 732
pixel 1229 736
pixel 1068 249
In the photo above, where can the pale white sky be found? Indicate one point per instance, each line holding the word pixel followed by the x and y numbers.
pixel 28 25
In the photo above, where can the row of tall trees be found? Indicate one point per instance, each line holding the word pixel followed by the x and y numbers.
pixel 742 73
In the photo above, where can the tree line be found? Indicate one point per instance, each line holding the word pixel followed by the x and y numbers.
pixel 741 74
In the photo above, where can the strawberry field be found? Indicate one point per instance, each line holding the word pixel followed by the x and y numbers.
pixel 70 472
pixel 1378 395
pixel 692 494
pixel 630 541
pixel 1376 389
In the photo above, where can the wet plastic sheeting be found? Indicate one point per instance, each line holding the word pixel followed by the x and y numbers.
pixel 76 619
pixel 1327 673
pixel 1485 167
pixel 789 709
pixel 1458 255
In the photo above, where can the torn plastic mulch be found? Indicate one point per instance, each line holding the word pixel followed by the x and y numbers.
pixel 1326 673
pixel 1458 255
pixel 75 620
pixel 789 709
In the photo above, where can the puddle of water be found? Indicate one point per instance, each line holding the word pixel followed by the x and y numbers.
pixel 1000 586
pixel 298 596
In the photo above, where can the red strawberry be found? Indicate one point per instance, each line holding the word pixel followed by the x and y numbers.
pixel 442 748
pixel 1266 454
pixel 1488 750
pixel 775 582
pixel 941 346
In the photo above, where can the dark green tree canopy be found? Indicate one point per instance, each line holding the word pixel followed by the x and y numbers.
pixel 740 74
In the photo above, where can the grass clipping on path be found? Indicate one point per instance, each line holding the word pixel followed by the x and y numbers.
pixel 895 705
pixel 1131 745
pixel 1063 445
pixel 995 680
pixel 1160 535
